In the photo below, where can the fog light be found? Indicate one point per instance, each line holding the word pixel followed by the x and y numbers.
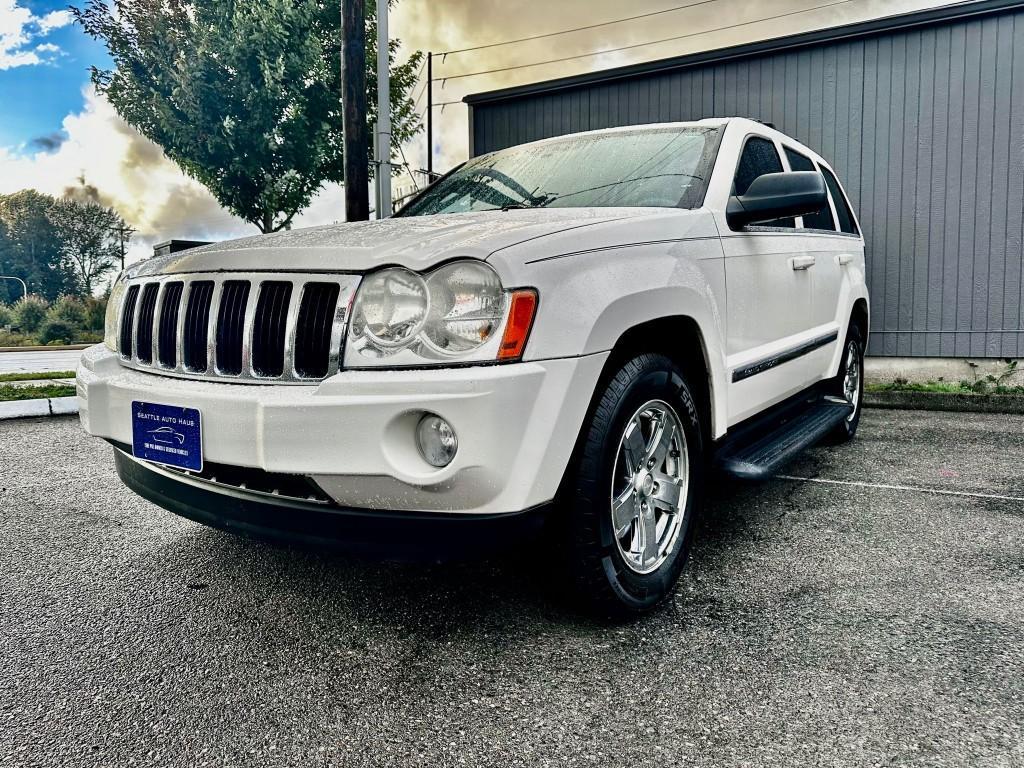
pixel 436 440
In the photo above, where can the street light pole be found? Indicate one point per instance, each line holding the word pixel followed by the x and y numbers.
pixel 383 113
pixel 24 288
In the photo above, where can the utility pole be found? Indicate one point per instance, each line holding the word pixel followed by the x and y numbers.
pixel 122 232
pixel 430 117
pixel 353 103
pixel 383 113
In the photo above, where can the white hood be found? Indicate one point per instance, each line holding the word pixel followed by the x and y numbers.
pixel 416 242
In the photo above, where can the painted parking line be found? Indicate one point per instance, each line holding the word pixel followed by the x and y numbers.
pixel 888 487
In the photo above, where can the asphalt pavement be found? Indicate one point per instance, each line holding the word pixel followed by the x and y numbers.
pixel 39 362
pixel 850 620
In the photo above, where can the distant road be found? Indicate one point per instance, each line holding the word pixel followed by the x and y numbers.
pixel 37 362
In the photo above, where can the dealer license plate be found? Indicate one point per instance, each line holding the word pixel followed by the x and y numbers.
pixel 167 434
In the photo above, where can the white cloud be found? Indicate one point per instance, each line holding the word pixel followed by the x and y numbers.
pixel 54 20
pixel 133 175
pixel 20 30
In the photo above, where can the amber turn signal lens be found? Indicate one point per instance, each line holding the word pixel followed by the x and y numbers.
pixel 520 320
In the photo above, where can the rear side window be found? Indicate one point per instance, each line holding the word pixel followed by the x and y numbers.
pixel 821 219
pixel 846 223
pixel 759 157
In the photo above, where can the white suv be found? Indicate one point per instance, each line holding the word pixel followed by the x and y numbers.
pixel 576 330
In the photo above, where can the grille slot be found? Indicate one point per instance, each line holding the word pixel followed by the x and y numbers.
pixel 128 320
pixel 144 335
pixel 167 339
pixel 231 326
pixel 268 328
pixel 197 325
pixel 313 329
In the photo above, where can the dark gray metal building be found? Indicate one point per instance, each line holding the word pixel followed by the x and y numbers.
pixel 922 116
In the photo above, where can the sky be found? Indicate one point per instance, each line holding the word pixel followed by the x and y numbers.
pixel 55 130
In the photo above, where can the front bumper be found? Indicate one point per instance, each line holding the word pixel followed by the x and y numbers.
pixel 353 434
pixel 405 536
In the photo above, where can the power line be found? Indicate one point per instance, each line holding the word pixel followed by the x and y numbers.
pixel 408 170
pixel 640 45
pixel 577 29
pixel 423 90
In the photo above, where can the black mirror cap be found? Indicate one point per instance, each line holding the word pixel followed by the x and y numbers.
pixel 778 196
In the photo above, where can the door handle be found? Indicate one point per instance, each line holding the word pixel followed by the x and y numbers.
pixel 843 259
pixel 802 262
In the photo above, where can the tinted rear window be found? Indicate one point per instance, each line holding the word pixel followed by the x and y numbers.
pixel 846 222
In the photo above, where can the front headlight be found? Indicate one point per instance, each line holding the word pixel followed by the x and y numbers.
pixel 455 313
pixel 110 328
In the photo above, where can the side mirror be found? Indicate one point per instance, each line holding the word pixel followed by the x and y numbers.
pixel 777 196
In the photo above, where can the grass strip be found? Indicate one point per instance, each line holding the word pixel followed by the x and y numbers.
pixel 37 376
pixel 9 392
pixel 947 387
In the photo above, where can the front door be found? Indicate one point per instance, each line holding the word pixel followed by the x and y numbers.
pixel 768 272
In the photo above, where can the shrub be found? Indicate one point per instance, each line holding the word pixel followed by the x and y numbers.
pixel 29 313
pixel 95 314
pixel 6 316
pixel 69 310
pixel 56 332
pixel 11 339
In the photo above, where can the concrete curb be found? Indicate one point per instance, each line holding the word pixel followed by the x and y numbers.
pixel 52 406
pixel 945 401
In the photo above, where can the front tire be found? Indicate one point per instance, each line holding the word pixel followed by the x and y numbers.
pixel 636 488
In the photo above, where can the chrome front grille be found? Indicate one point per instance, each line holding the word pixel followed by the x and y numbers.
pixel 251 327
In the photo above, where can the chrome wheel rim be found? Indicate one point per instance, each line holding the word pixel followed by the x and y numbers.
pixel 851 381
pixel 650 481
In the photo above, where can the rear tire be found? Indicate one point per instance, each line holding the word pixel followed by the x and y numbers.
pixel 849 385
pixel 636 488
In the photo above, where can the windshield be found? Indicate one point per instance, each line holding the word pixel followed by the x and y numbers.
pixel 662 168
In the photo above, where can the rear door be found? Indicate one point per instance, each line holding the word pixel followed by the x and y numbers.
pixel 768 287
pixel 838 252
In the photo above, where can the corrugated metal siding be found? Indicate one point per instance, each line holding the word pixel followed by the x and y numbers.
pixel 926 130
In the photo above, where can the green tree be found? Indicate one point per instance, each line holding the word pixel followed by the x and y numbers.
pixel 244 95
pixel 30 247
pixel 88 239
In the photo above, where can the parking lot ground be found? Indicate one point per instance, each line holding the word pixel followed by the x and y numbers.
pixel 856 622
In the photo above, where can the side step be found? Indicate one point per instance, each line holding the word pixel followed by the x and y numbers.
pixel 759 450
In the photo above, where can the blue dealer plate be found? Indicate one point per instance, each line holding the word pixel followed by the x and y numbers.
pixel 168 435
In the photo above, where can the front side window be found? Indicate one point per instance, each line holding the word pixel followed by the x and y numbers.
pixel 759 157
pixel 664 168
pixel 821 219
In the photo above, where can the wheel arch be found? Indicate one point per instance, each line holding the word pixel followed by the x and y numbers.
pixel 679 338
pixel 860 318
